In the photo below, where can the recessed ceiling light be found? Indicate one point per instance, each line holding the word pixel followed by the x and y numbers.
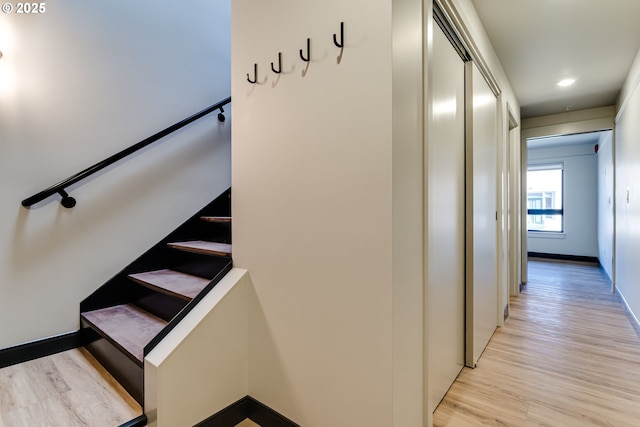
pixel 566 82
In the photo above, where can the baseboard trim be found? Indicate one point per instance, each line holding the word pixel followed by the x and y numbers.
pixel 563 257
pixel 41 348
pixel 604 270
pixel 247 407
pixel 630 315
pixel 140 421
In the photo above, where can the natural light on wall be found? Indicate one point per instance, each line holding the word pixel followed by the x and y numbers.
pixel 7 71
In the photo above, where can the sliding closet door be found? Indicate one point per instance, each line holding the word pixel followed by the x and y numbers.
pixel 482 259
pixel 445 199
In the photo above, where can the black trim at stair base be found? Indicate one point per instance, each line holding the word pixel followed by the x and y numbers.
pixel 41 348
pixel 140 421
pixel 127 370
pixel 562 257
pixel 247 407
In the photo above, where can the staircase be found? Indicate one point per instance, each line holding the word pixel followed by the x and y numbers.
pixel 129 315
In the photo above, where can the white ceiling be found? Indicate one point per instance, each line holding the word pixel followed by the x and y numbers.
pixel 540 42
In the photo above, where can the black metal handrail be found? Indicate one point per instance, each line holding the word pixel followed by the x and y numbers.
pixel 60 188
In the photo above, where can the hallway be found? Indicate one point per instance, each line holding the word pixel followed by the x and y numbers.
pixel 567 356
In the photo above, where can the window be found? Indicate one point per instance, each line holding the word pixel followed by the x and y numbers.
pixel 544 198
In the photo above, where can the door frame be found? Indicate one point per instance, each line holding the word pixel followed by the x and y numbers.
pixel 593 120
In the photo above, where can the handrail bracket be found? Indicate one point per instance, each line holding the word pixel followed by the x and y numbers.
pixel 67 201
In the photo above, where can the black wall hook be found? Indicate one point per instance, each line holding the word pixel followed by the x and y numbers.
pixel 255 75
pixel 279 70
pixel 308 58
pixel 339 44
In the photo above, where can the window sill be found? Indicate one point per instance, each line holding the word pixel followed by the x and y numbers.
pixel 546 234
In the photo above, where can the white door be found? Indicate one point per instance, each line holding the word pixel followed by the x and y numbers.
pixel 445 199
pixel 482 256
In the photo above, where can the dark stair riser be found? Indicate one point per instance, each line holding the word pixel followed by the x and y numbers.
pixel 161 256
pixel 164 306
pixel 181 315
pixel 121 289
pixel 126 371
pixel 121 365
pixel 197 264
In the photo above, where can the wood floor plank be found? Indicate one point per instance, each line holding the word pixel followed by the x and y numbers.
pixel 66 389
pixel 566 356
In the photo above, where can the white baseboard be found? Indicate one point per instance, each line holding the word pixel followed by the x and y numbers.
pixel 630 314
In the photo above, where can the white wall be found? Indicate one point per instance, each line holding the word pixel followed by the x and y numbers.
pixel 627 193
pixel 409 322
pixel 202 366
pixel 312 176
pixel 606 202
pixel 629 88
pixel 580 236
pixel 328 206
pixel 81 82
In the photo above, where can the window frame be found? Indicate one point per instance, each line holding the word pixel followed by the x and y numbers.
pixel 547 212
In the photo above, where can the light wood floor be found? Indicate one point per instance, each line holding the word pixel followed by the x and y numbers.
pixel 67 389
pixel 247 423
pixel 567 356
